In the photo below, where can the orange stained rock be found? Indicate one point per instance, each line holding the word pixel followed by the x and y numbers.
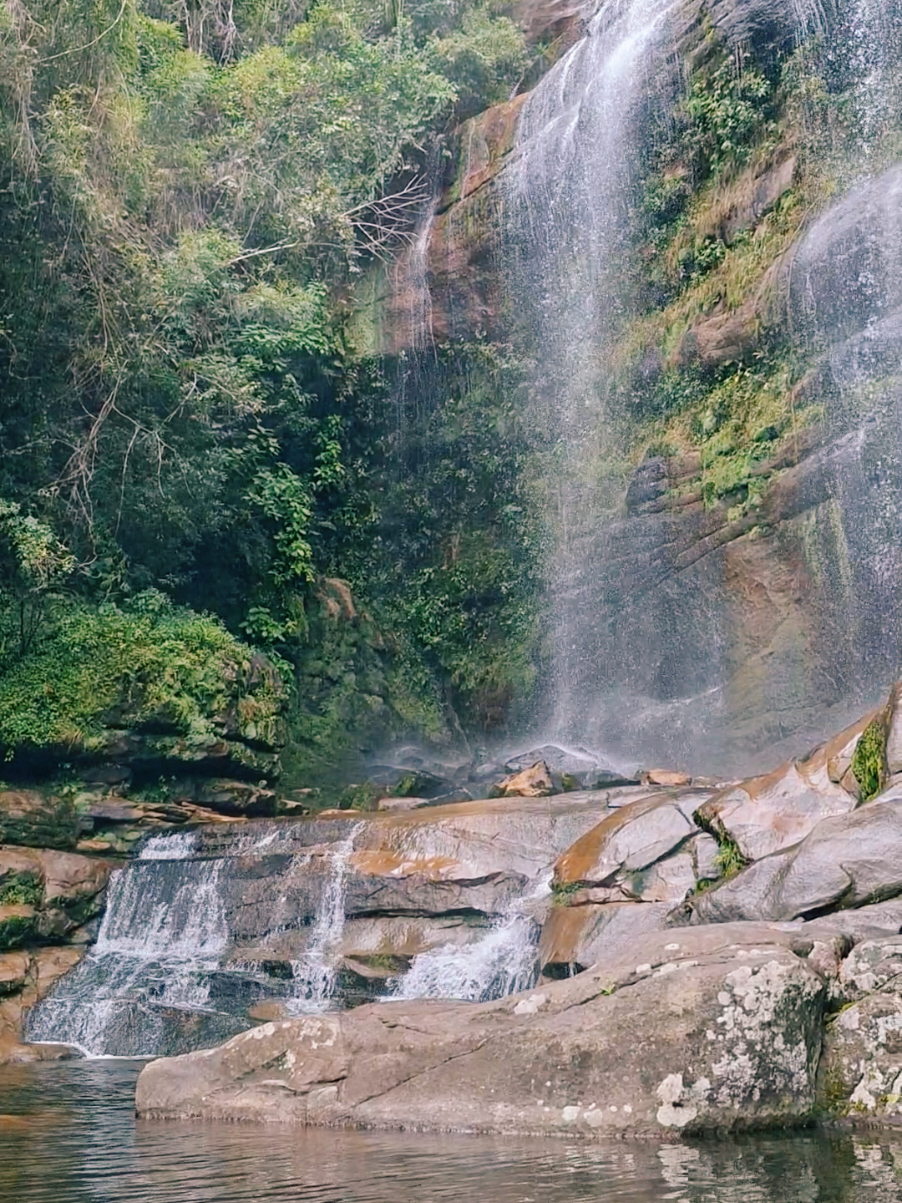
pixel 668 777
pixel 485 141
pixel 562 934
pixel 836 754
pixel 383 863
pixel 580 859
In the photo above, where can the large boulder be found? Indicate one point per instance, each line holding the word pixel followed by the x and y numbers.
pixel 640 852
pixel 778 810
pixel 723 1028
pixel 861 1071
pixel 847 861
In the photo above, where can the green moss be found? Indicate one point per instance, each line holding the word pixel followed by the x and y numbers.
pixel 730 859
pixel 360 797
pixel 162 669
pixel 22 889
pixel 562 892
pixel 15 930
pixel 869 761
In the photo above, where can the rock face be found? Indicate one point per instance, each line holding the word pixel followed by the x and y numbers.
pixel 49 903
pixel 739 1045
pixel 846 862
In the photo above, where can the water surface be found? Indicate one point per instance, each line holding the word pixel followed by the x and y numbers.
pixel 68 1135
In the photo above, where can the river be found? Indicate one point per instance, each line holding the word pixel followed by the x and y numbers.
pixel 68 1135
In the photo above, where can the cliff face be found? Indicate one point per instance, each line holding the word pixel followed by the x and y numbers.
pixel 706 311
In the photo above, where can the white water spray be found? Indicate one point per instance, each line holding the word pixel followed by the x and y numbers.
pixel 504 961
pixel 315 972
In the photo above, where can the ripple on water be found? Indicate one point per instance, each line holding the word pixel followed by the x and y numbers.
pixel 68 1135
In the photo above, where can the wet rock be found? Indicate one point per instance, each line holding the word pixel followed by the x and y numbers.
pixel 14 1053
pixel 647 486
pixel 767 189
pixel 847 861
pixel 769 813
pixel 26 977
pixel 739 1046
pixel 534 782
pixel 37 820
pixel 628 842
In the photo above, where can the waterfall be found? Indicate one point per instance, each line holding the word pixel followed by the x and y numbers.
pixel 314 974
pixel 567 198
pixel 503 961
pixel 188 943
pixel 163 932
pixel 570 191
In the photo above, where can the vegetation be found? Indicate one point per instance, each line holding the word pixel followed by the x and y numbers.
pixel 149 666
pixel 188 192
pixel 22 889
pixel 869 761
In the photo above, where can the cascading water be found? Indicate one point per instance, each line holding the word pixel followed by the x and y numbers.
pixel 641 660
pixel 189 943
pixel 163 932
pixel 313 975
pixel 504 961
pixel 566 197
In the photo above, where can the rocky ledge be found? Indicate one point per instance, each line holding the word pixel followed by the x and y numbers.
pixel 707 1028
pixel 715 958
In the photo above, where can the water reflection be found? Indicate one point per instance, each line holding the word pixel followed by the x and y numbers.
pixel 68 1135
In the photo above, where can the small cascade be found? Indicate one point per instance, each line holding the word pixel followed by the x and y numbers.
pixel 314 974
pixel 163 932
pixel 504 961
pixel 201 928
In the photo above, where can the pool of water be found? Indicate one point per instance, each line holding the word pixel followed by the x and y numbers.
pixel 68 1135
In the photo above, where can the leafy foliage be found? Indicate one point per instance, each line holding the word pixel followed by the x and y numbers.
pixel 869 761
pixel 187 190
pixel 150 667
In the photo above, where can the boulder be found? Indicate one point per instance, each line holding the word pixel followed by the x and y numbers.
pixel 861 1069
pixel 619 851
pixel 847 861
pixel 534 782
pixel 778 810
pixel 723 1033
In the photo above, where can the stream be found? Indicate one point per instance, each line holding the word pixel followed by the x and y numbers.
pixel 68 1135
